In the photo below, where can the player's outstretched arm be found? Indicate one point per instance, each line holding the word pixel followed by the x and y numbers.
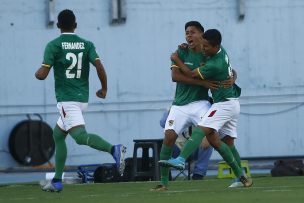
pixel 102 93
pixel 42 72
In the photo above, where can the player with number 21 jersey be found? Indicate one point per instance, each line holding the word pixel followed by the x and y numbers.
pixel 70 57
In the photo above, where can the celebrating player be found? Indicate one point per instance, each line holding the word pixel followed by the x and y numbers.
pixel 223 114
pixel 70 57
pixel 191 96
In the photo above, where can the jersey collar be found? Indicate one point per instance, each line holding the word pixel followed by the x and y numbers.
pixel 219 50
pixel 216 53
pixel 68 33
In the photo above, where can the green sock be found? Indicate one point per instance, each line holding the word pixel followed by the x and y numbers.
pixel 236 155
pixel 165 154
pixel 227 155
pixel 60 151
pixel 81 137
pixel 193 142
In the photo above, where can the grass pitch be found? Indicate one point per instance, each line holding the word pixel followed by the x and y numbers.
pixel 265 190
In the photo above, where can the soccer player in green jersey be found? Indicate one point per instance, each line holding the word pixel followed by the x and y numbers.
pixel 191 100
pixel 223 114
pixel 70 57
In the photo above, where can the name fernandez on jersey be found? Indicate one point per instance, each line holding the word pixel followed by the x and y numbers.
pixel 73 45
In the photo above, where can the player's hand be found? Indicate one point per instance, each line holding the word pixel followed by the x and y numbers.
pixel 174 56
pixel 228 83
pixel 102 93
pixel 183 46
pixel 210 84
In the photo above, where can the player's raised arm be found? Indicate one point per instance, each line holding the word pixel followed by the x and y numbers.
pixel 101 93
pixel 177 76
pixel 178 62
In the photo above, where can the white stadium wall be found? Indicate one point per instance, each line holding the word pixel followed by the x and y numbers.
pixel 265 49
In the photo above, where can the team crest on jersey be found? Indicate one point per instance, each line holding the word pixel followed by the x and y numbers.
pixel 171 122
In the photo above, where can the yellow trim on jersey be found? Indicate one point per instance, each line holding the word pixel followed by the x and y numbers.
pixel 45 65
pixel 200 74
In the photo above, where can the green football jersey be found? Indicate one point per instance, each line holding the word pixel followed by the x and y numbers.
pixel 185 93
pixel 70 56
pixel 218 68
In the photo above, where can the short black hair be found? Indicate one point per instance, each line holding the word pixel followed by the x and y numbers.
pixel 194 24
pixel 213 36
pixel 66 19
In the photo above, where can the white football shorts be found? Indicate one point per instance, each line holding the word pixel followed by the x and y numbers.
pixel 182 117
pixel 222 117
pixel 71 114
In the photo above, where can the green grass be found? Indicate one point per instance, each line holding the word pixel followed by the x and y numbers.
pixel 265 190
